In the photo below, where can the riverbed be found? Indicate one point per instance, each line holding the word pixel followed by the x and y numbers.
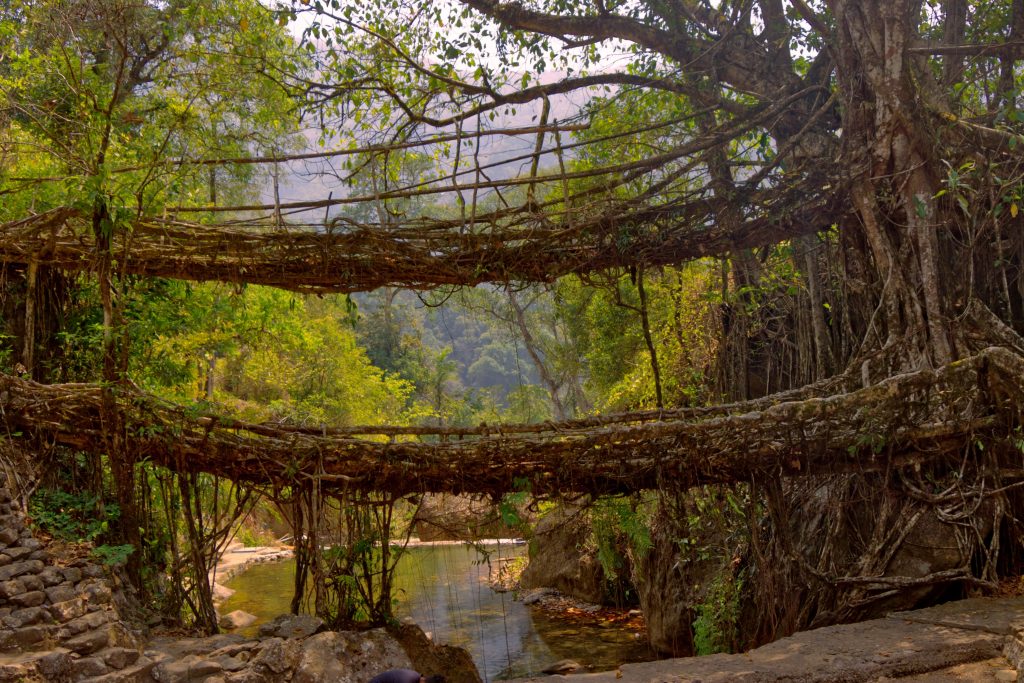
pixel 445 589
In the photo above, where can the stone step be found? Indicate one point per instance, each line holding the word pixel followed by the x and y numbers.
pixel 26 638
pixel 119 657
pixel 53 665
pixel 89 642
pixel 139 672
pixel 188 668
pixel 88 667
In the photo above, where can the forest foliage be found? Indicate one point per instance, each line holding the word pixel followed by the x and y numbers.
pixel 846 211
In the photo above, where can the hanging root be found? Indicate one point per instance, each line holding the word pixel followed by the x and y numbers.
pixel 845 548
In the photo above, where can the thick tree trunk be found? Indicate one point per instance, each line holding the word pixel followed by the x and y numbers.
pixel 894 182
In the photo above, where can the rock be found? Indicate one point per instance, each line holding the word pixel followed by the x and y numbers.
pixel 11 588
pixel 96 592
pixel 455 663
pixel 18 552
pixel 24 638
pixel 236 649
pixel 139 673
pixel 32 582
pixel 236 619
pixel 119 657
pixel 53 665
pixel 30 599
pixel 122 636
pixel 31 543
pixel 559 558
pixel 61 593
pixel 87 667
pixel 292 626
pixel 277 655
pixel 31 615
pixel 205 646
pixel 671 581
pixel 535 595
pixel 348 657
pixel 188 668
pixel 68 610
pixel 51 576
pixel 88 642
pixel 563 666
pixel 93 571
pixel 930 546
pixel 446 517
pixel 8 536
pixel 72 574
pixel 221 593
pixel 86 622
pixel 18 568
pixel 230 663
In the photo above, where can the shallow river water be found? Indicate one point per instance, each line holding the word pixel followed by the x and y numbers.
pixel 445 590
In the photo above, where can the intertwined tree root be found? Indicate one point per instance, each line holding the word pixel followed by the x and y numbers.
pixel 422 253
pixel 907 418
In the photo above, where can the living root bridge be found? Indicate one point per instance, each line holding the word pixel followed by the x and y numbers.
pixel 906 418
pixel 422 254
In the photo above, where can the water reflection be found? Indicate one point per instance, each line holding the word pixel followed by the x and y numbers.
pixel 445 590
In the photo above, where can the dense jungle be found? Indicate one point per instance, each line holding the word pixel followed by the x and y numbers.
pixel 727 293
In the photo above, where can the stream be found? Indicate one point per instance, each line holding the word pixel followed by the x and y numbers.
pixel 444 589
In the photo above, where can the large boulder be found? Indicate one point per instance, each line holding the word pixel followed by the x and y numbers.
pixel 562 557
pixel 292 626
pixel 236 619
pixel 672 580
pixel 454 663
pixel 445 517
pixel 348 657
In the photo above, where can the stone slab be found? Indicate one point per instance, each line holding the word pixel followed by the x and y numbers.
pixel 852 653
pixel 140 672
pixel 993 615
pixel 987 671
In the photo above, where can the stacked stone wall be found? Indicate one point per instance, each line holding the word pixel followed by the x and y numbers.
pixel 58 619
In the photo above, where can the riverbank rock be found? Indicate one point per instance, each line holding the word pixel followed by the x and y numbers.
pixel 670 586
pixel 323 657
pixel 454 663
pixel 236 619
pixel 563 666
pixel 349 657
pixel 444 517
pixel 292 626
pixel 560 557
